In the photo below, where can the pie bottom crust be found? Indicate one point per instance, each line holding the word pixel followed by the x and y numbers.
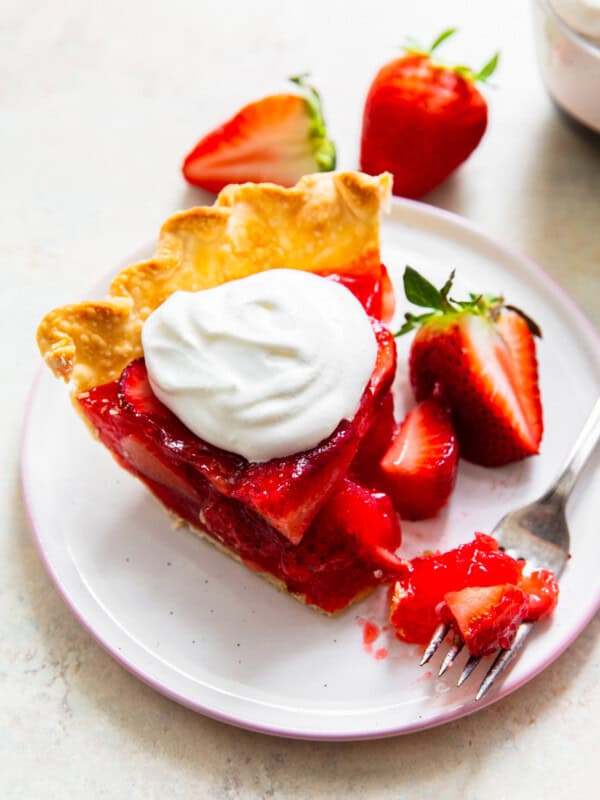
pixel 178 523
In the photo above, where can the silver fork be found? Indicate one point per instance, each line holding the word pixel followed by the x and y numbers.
pixel 537 532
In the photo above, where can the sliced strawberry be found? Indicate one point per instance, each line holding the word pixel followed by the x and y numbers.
pixel 376 442
pixel 419 468
pixel 415 598
pixel 367 515
pixel 542 589
pixel 136 393
pixel 515 330
pixel 486 617
pixel 478 355
pixel 276 139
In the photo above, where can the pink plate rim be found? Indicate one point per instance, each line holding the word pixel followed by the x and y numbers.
pixel 275 730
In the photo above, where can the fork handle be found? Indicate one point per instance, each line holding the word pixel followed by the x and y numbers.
pixel 580 452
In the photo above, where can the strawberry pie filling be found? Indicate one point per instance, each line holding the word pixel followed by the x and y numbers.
pixel 476 588
pixel 302 519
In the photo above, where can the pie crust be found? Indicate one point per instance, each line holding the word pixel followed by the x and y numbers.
pixel 327 222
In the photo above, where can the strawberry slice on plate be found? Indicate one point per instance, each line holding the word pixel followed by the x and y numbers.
pixel 277 139
pixel 486 617
pixel 419 468
pixel 479 356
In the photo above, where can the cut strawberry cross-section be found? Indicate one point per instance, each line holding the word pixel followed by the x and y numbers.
pixel 479 356
pixel 419 468
pixel 279 139
pixel 486 617
pixel 478 589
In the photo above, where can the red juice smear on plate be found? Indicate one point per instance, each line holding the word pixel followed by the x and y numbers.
pixel 370 633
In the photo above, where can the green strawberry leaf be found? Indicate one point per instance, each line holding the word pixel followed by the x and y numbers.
pixel 413 321
pixel 323 149
pixel 488 69
pixel 420 292
pixel 442 38
pixel 447 286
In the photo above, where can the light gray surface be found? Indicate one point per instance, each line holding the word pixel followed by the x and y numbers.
pixel 98 103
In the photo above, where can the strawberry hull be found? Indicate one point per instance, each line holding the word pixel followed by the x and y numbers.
pixel 328 569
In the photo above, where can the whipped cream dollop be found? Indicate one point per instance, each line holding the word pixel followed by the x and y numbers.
pixel 264 366
pixel 583 16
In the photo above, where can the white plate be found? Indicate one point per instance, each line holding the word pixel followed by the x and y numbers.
pixel 208 633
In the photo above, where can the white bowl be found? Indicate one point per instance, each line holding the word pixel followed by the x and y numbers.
pixel 570 65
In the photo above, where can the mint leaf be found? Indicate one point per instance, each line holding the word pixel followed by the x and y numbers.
pixel 420 292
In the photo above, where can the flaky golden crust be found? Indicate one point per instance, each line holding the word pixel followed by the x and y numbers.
pixel 327 222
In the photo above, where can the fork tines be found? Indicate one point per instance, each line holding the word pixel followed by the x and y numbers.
pixel 500 663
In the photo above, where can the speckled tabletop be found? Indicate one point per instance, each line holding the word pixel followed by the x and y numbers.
pixel 98 102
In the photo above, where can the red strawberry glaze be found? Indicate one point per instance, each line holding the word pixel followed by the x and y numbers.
pixel 376 442
pixel 542 589
pixel 373 289
pixel 415 598
pixel 370 632
pixel 280 517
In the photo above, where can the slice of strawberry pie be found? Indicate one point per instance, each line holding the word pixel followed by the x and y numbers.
pixel 240 388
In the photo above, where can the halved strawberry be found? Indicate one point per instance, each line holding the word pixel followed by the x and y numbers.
pixel 542 589
pixel 479 356
pixel 486 617
pixel 415 599
pixel 419 468
pixel 276 139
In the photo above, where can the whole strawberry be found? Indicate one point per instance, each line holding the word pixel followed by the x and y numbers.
pixel 478 356
pixel 422 119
